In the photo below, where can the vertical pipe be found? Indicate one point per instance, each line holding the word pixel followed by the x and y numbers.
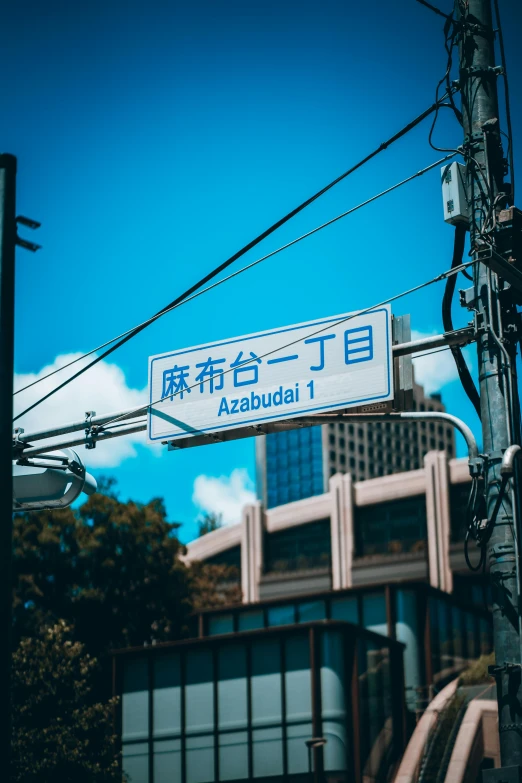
pixel 7 278
pixel 316 701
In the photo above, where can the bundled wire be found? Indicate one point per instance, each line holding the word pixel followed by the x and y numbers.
pixel 462 367
pixel 474 528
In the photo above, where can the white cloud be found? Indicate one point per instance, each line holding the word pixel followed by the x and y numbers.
pixel 436 370
pixel 103 389
pixel 225 495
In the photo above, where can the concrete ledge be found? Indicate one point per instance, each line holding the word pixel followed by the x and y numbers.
pixel 215 542
pixel 409 767
pixel 470 745
pixel 299 512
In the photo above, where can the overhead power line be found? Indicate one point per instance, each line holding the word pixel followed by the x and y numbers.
pixel 221 267
pixel 434 9
pixel 443 276
pixel 120 424
pixel 244 269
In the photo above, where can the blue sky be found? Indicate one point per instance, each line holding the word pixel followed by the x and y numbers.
pixel 155 139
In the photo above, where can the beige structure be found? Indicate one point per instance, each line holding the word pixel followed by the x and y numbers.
pixel 340 505
pixel 476 740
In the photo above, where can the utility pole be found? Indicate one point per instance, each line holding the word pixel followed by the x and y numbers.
pixel 7 275
pixel 496 325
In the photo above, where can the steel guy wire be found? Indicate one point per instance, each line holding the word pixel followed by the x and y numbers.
pixel 224 280
pixel 443 276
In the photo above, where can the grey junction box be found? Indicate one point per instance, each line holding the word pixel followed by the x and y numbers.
pixel 454 197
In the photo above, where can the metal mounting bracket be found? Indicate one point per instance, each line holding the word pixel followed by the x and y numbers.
pixel 91 430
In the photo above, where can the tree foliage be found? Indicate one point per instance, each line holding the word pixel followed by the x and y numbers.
pixel 108 575
pixel 213 585
pixel 114 570
pixel 59 733
pixel 209 522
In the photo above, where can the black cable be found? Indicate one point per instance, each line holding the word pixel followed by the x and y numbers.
pixel 453 272
pixel 447 321
pixel 472 529
pixel 506 95
pixel 246 268
pixel 239 253
pixel 449 27
pixel 434 9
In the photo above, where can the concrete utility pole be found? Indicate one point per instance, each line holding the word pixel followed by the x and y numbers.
pixel 7 271
pixel 496 326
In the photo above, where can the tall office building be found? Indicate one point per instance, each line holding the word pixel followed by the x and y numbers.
pixel 298 464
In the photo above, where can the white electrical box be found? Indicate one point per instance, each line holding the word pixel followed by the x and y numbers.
pixel 454 196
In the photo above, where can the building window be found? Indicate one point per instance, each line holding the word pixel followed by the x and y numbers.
pixel 332 440
pixel 352 462
pixel 361 448
pixel 298 548
pixel 397 526
pixel 351 445
pixel 342 443
pixel 361 466
pixel 350 429
pixel 341 426
pixel 360 432
pixel 432 443
pixel 342 459
pixel 332 456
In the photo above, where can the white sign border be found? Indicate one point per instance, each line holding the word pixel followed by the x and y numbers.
pixel 252 422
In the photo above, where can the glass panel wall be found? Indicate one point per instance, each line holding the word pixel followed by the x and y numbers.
pixel 242 708
pixel 294 465
pixel 408 632
pixel 220 623
pixel 376 722
pixel 333 691
pixel 459 632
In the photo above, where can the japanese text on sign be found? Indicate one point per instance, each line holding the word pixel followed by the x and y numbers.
pixel 322 365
